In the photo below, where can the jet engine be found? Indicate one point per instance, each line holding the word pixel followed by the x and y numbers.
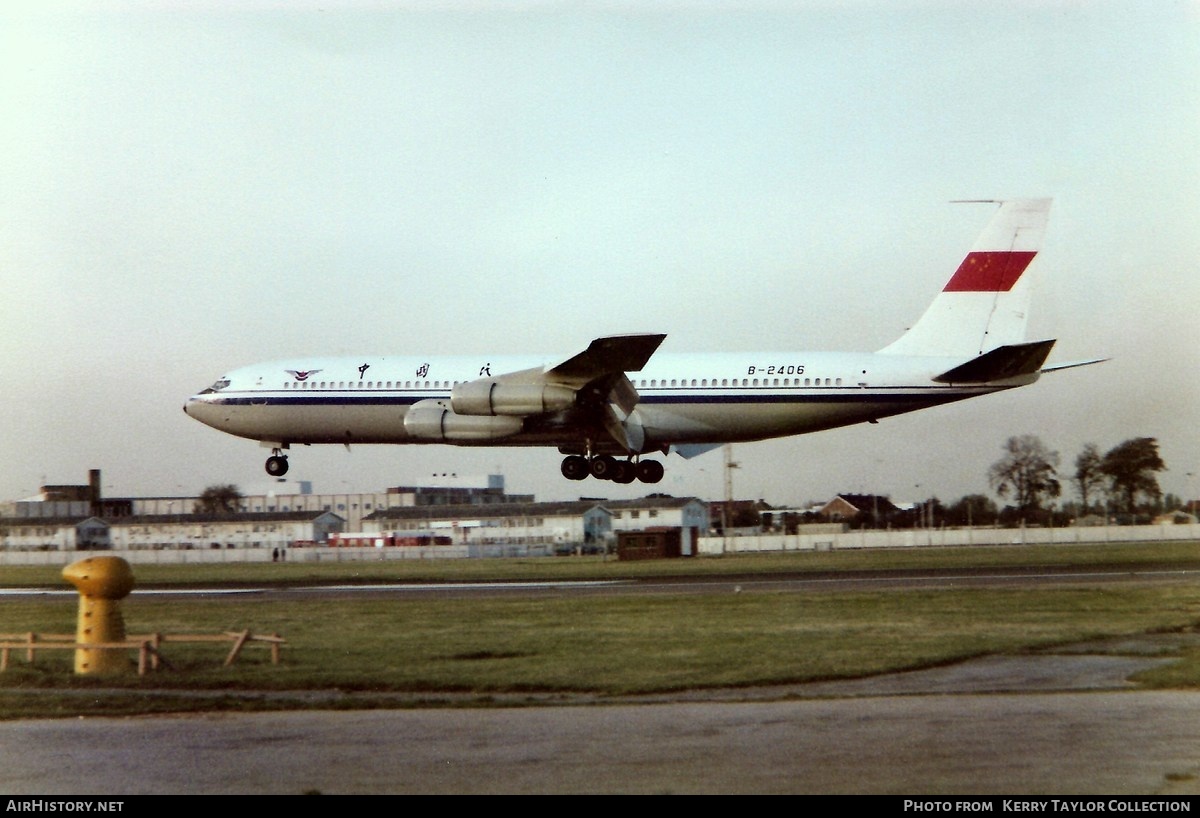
pixel 491 397
pixel 433 419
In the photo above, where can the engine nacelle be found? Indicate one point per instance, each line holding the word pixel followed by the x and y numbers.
pixel 489 397
pixel 435 420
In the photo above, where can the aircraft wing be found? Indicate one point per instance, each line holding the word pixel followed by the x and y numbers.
pixel 593 380
pixel 606 356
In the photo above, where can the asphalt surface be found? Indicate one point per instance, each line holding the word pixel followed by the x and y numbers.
pixel 1063 724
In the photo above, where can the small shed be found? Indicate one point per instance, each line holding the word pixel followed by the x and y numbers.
pixel 651 544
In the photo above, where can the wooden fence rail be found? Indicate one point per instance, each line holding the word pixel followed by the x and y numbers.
pixel 147 645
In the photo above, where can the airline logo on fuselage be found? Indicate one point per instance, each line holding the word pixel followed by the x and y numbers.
pixel 301 375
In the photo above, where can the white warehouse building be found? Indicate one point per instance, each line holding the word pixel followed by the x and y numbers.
pixel 564 523
pixel 158 532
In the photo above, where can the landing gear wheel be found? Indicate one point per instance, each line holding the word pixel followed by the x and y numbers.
pixel 604 467
pixel 277 465
pixel 625 472
pixel 650 471
pixel 575 467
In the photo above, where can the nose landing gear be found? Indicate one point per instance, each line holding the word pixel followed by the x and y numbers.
pixel 277 464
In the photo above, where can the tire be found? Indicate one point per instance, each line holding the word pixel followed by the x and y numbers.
pixel 650 471
pixel 277 466
pixel 604 467
pixel 625 472
pixel 575 467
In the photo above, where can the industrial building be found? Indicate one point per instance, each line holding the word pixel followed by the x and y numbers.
pixel 688 514
pixel 176 532
pixel 471 512
pixel 576 523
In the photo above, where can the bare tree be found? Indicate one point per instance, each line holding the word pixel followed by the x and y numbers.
pixel 1028 471
pixel 1089 477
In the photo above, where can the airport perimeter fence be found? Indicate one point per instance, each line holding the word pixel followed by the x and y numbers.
pixel 706 546
pixel 949 537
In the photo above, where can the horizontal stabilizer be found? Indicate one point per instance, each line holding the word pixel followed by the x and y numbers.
pixel 1073 364
pixel 1000 364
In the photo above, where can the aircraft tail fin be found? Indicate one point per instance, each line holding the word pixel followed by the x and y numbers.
pixel 985 304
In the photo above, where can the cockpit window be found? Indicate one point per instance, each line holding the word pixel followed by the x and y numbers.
pixel 216 387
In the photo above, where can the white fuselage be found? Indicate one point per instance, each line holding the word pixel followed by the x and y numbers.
pixel 684 399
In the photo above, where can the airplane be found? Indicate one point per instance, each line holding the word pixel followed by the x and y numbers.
pixel 610 406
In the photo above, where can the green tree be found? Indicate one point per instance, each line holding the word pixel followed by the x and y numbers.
pixel 973 509
pixel 1089 479
pixel 1130 468
pixel 218 499
pixel 1028 471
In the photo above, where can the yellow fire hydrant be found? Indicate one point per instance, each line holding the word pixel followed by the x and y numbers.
pixel 102 583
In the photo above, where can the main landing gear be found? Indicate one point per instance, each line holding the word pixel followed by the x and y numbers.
pixel 607 467
pixel 277 464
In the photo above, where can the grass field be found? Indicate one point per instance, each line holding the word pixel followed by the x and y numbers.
pixel 567 644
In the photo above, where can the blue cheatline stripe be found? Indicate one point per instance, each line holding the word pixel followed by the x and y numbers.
pixel 843 395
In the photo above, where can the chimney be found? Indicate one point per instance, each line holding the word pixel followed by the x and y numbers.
pixel 94 487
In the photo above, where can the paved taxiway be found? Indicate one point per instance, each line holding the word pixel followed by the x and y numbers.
pixel 1095 743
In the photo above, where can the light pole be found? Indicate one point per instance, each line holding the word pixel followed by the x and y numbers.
pixel 729 467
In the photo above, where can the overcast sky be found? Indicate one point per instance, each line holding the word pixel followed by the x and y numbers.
pixel 190 187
